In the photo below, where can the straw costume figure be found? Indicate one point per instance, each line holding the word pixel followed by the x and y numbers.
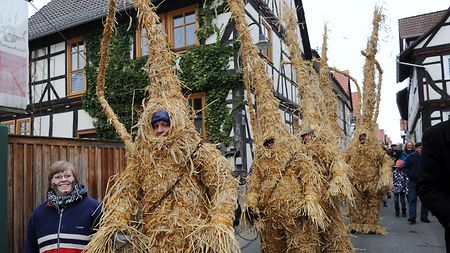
pixel 282 196
pixel 371 175
pixel 177 193
pixel 318 107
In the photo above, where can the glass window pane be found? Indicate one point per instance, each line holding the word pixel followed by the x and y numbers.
pixel 198 125
pixel 197 104
pixel 178 21
pixel 10 128
pixel 74 47
pixel 81 47
pixel 81 61
pixel 74 61
pixel 144 42
pixel 77 82
pixel 190 18
pixel 190 35
pixel 178 34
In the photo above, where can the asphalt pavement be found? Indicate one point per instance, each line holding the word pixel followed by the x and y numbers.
pixel 401 236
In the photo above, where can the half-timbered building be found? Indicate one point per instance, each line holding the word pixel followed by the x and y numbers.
pixel 425 61
pixel 58 59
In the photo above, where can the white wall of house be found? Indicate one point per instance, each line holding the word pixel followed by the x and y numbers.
pixel 63 125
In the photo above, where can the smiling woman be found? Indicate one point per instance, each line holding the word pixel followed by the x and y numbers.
pixel 66 220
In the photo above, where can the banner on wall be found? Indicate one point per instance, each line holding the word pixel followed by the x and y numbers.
pixel 13 54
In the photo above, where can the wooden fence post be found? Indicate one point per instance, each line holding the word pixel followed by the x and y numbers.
pixel 3 189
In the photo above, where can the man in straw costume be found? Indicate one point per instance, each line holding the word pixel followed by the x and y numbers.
pixel 320 135
pixel 282 192
pixel 371 166
pixel 177 193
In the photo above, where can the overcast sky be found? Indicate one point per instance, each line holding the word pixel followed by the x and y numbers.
pixel 349 26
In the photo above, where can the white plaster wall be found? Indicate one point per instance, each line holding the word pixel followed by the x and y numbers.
pixel 435 71
pixel 85 121
pixel 432 93
pixel 446 62
pixel 442 37
pixel 220 21
pixel 436 114
pixel 62 125
pixel 41 126
pixel 432 59
pixel 60 88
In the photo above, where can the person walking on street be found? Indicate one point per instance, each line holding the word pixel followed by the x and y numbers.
pixel 432 186
pixel 400 188
pixel 412 170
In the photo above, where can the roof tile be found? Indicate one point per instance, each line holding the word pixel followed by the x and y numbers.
pixel 418 25
pixel 58 15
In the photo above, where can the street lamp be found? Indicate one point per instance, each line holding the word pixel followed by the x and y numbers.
pixel 263 42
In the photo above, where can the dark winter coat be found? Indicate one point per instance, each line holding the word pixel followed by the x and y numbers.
pixel 433 186
pixel 68 229
pixel 412 167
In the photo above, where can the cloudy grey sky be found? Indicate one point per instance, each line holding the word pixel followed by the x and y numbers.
pixel 349 26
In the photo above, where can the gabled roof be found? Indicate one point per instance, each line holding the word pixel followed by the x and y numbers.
pixel 418 25
pixel 403 70
pixel 343 82
pixel 59 15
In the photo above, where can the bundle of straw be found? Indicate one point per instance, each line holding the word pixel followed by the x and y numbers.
pixel 284 187
pixel 319 112
pixel 371 174
pixel 177 193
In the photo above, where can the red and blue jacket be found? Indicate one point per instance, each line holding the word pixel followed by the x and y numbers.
pixel 67 230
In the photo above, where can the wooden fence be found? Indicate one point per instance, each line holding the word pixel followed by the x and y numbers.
pixel 28 161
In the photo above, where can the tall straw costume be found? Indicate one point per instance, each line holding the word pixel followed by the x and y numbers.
pixel 283 188
pixel 177 193
pixel 318 107
pixel 371 175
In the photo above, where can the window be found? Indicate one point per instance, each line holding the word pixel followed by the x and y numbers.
pixel 11 126
pixel 23 126
pixel 141 39
pixel 182 28
pixel 87 134
pixel 197 101
pixel 76 77
pixel 267 31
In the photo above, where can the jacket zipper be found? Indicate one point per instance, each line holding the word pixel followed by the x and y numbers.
pixel 59 226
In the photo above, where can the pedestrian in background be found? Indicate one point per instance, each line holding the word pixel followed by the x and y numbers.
pixel 412 170
pixel 400 188
pixel 66 220
pixel 408 149
pixel 433 185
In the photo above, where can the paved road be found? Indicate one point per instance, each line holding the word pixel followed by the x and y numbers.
pixel 401 237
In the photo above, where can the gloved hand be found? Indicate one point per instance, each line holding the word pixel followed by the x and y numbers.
pixel 120 239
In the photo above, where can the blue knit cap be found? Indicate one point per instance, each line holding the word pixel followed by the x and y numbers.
pixel 160 115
